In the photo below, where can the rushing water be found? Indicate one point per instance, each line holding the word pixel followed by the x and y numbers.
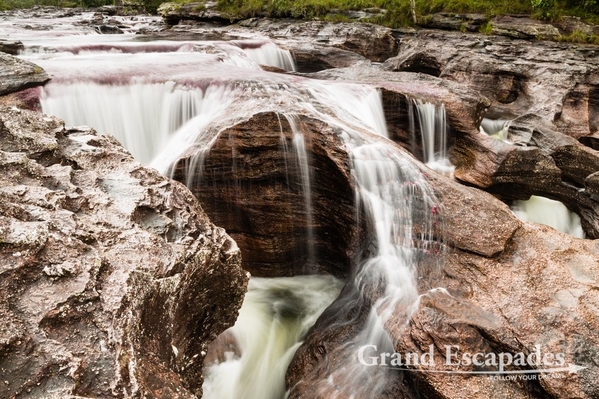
pixel 497 128
pixel 433 128
pixel 549 212
pixel 163 106
pixel 275 315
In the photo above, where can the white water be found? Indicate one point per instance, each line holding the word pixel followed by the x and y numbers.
pixel 303 165
pixel 433 128
pixel 549 212
pixel 140 116
pixel 496 128
pixel 275 316
pixel 271 54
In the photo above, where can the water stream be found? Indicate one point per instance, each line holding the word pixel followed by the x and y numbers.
pixel 275 316
pixel 433 128
pixel 549 212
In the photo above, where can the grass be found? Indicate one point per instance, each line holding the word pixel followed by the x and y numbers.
pixel 398 11
pixel 580 37
pixel 398 14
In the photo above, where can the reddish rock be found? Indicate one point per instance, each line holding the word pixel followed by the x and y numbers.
pixel 112 279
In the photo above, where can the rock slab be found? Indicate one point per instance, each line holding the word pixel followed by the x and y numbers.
pixel 18 74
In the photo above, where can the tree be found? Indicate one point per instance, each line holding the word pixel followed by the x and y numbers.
pixel 413 10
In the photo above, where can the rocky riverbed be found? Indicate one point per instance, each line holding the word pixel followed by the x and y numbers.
pixel 115 280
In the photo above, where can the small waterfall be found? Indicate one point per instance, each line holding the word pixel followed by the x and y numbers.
pixel 275 315
pixel 388 187
pixel 268 53
pixel 141 116
pixel 497 128
pixel 433 128
pixel 549 212
pixel 358 105
pixel 303 165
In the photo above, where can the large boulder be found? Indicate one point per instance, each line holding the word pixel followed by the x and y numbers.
pixel 507 287
pixel 518 76
pixel 112 279
pixel 253 188
pixel 19 74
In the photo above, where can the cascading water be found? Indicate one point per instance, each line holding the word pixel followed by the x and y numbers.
pixel 139 108
pixel 207 88
pixel 497 128
pixel 268 54
pixel 303 165
pixel 275 315
pixel 549 212
pixel 140 116
pixel 433 128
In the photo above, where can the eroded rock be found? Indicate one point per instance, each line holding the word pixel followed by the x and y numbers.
pixel 113 281
pixel 519 77
pixel 18 74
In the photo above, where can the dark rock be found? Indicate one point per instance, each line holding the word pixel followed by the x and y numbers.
pixel 255 193
pixel 199 11
pixel 108 29
pixel 11 47
pixel 113 281
pixel 19 74
pixel 311 57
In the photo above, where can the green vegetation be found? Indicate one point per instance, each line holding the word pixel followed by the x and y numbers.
pixel 14 4
pixel 580 37
pixel 398 11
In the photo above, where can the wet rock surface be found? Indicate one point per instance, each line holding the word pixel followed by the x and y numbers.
pixel 113 280
pixel 11 47
pixel 533 290
pixel 254 190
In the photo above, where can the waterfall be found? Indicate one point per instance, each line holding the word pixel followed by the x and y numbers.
pixel 141 116
pixel 275 315
pixel 549 212
pixel 303 165
pixel 165 108
pixel 388 186
pixel 268 53
pixel 497 128
pixel 433 129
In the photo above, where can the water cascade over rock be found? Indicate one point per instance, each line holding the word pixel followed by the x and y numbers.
pixel 433 128
pixel 311 174
pixel 275 316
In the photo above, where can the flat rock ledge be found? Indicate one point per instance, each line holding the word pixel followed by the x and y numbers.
pixel 113 281
pixel 19 74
